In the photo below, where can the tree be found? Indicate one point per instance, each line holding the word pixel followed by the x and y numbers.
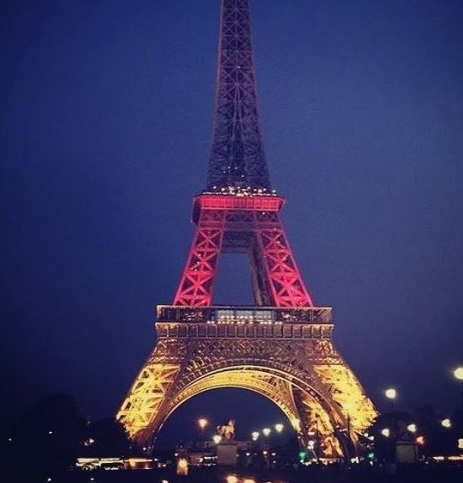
pixel 423 427
pixel 47 435
pixel 106 437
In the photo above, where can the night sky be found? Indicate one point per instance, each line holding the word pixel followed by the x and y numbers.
pixel 106 124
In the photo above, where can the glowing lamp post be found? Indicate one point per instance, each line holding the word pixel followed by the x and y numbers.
pixel 446 423
pixel 458 373
pixel 386 432
pixel 202 423
pixel 391 394
pixel 266 431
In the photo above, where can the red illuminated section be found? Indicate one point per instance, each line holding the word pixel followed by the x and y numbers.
pixel 239 202
pixel 254 219
pixel 196 285
pixel 286 284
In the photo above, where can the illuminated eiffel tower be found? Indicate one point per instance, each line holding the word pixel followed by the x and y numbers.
pixel 282 346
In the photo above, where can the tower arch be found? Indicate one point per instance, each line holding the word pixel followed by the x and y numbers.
pixel 271 383
pixel 294 364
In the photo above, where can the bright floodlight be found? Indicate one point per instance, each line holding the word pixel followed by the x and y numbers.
pixel 279 428
pixel 390 393
pixel 412 428
pixel 386 432
pixel 217 438
pixel 255 435
pixel 266 431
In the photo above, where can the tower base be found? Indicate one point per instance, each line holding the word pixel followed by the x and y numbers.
pixel 284 354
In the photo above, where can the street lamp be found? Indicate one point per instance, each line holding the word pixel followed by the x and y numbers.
pixel 446 423
pixel 458 374
pixel 266 431
pixel 279 428
pixel 255 435
pixel 202 422
pixel 391 394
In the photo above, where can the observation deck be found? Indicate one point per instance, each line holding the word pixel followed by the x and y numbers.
pixel 244 322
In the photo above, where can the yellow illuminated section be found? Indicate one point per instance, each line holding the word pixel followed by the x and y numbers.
pixel 293 365
pixel 145 397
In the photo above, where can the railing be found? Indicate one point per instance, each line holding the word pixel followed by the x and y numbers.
pixel 244 315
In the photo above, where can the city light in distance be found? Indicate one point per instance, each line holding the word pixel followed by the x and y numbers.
pixel 446 423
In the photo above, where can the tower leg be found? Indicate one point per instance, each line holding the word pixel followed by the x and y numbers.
pixel 197 282
pixel 286 284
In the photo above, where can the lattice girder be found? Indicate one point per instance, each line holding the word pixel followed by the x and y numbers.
pixel 305 377
pixel 229 224
pixel 146 397
pixel 237 153
pixel 287 286
pixel 196 285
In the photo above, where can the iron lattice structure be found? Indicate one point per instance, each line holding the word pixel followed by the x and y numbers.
pixel 282 347
pixel 237 155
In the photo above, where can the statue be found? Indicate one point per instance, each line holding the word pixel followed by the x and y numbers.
pixel 227 431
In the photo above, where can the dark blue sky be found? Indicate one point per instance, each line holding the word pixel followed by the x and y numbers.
pixel 106 124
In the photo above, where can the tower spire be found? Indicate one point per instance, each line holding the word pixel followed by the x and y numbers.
pixel 237 158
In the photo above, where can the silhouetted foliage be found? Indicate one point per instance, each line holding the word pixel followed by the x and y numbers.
pixel 47 436
pixel 438 440
pixel 429 435
pixel 106 437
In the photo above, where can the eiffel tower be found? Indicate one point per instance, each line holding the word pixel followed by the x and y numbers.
pixel 282 346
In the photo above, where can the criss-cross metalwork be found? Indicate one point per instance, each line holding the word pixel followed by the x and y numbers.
pixel 281 347
pixel 237 154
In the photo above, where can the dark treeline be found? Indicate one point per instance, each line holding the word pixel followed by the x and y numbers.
pixel 47 438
